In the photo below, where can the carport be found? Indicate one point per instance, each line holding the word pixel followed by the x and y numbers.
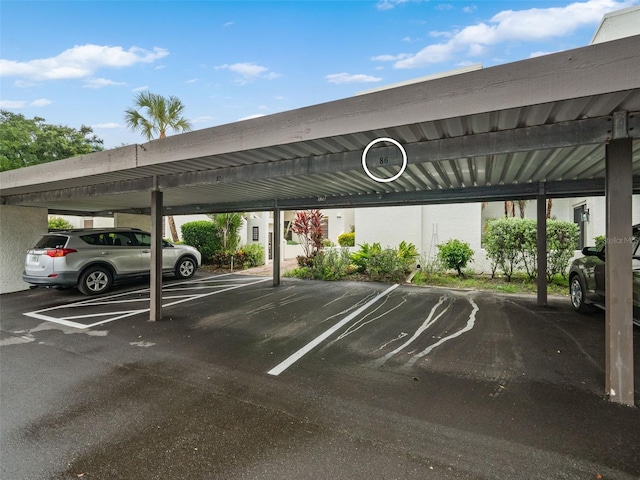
pixel 560 125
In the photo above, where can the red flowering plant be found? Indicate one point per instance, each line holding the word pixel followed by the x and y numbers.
pixel 307 224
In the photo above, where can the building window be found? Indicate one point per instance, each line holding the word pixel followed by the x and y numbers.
pixel 325 227
pixel 581 217
pixel 256 234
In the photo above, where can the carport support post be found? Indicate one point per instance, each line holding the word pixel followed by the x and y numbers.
pixel 618 274
pixel 277 244
pixel 156 255
pixel 541 245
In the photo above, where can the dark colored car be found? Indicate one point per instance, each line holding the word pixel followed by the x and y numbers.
pixel 94 259
pixel 586 278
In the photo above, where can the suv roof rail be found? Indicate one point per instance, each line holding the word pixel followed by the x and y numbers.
pixel 95 229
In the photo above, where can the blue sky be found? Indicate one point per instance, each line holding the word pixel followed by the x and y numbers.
pixel 81 63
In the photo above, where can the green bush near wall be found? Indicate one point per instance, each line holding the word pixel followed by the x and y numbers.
pixel 204 236
pixel 511 245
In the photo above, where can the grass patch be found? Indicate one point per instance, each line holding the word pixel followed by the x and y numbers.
pixel 519 283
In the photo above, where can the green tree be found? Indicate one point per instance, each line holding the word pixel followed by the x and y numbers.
pixel 153 115
pixel 228 225
pixel 307 224
pixel 25 142
pixel 59 223
pixel 455 254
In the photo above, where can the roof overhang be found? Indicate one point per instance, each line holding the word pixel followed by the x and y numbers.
pixel 491 134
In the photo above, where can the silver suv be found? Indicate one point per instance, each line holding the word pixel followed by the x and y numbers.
pixel 94 259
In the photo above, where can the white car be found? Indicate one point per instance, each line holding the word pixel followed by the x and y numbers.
pixel 94 259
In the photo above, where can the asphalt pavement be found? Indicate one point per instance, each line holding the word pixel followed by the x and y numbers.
pixel 317 380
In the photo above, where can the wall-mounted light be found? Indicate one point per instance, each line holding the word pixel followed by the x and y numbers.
pixel 585 215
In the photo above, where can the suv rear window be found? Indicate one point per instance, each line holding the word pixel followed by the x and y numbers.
pixel 52 241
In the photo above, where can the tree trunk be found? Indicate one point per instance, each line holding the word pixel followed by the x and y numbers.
pixel 172 228
pixel 549 205
pixel 521 205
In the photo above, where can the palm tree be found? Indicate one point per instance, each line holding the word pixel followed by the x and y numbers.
pixel 228 225
pixel 158 115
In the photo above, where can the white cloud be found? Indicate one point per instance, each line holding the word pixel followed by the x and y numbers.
pixel 390 58
pixel 535 24
pixel 203 119
pixel 247 72
pixel 41 102
pixel 107 126
pixel 249 117
pixel 228 24
pixel 19 104
pixel 340 78
pixel 81 61
pixel 12 104
pixel 24 84
pixel 101 82
pixel 389 4
pixel 470 9
pixel 141 89
pixel 193 80
pixel 538 54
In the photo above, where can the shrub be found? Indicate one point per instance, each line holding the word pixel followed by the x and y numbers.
pixel 347 239
pixel 511 243
pixel 307 225
pixel 389 264
pixel 204 236
pixel 455 254
pixel 562 238
pixel 254 255
pixel 502 245
pixel 600 241
pixel 362 257
pixel 332 264
pixel 386 266
pixel 57 223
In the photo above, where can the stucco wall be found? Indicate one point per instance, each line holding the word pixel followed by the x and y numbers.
pixel 389 225
pixel 127 220
pixel 262 221
pixel 20 229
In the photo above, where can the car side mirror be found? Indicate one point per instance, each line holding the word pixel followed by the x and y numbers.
pixel 593 252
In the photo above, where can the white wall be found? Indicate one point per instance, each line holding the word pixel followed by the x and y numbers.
pixel 78 221
pixel 389 225
pixel 262 221
pixel 340 221
pixel 127 220
pixel 20 229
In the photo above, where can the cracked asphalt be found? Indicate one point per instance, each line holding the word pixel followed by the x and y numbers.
pixel 409 383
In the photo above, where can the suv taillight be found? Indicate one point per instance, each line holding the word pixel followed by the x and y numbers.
pixel 60 252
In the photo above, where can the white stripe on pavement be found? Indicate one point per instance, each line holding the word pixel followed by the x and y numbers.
pixel 278 369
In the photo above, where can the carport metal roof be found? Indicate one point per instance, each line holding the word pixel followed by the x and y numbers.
pixel 489 134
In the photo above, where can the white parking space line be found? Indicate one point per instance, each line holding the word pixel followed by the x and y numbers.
pixel 278 369
pixel 213 286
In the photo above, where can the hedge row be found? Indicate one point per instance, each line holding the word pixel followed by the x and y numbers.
pixel 511 245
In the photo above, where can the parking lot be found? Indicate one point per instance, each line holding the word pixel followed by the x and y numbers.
pixel 307 380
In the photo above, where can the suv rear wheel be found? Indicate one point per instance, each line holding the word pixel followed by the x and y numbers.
pixel 185 268
pixel 578 295
pixel 95 280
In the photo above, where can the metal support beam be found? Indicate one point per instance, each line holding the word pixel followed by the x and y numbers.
pixel 618 275
pixel 541 245
pixel 277 244
pixel 156 256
